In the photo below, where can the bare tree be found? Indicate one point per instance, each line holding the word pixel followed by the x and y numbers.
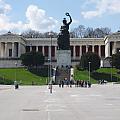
pixel 89 33
pixel 79 31
pixel 97 32
pixel 31 34
pixel 36 34
pixel 72 34
pixel 106 30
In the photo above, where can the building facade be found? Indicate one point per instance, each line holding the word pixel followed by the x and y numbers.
pixel 12 46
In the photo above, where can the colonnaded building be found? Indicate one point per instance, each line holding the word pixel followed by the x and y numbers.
pixel 13 45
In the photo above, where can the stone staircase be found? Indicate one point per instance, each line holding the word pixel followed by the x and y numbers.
pixel 62 73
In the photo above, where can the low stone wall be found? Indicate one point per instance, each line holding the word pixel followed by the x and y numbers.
pixel 10 63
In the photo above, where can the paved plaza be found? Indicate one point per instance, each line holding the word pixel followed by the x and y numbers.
pixel 101 102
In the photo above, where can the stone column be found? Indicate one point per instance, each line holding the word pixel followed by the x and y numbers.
pixel 6 50
pixel 55 51
pixel 99 48
pixel 19 49
pixel 30 48
pixel 80 51
pixel 87 48
pixel 0 49
pixel 74 52
pixel 49 52
pixel 93 49
pixel 114 48
pixel 36 48
pixel 13 49
pixel 43 50
pixel 107 49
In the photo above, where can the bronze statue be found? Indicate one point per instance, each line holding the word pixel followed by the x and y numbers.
pixel 64 37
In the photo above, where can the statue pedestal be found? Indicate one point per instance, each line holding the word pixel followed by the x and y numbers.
pixel 63 58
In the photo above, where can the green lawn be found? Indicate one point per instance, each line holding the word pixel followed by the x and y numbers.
pixel 108 70
pixel 26 77
pixel 22 75
pixel 83 75
pixel 109 74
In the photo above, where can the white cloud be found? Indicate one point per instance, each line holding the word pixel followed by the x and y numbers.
pixel 36 19
pixel 74 21
pixel 90 14
pixel 4 8
pixel 101 7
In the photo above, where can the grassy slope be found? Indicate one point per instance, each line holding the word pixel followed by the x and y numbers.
pixel 82 75
pixel 27 77
pixel 110 71
pixel 102 73
pixel 22 75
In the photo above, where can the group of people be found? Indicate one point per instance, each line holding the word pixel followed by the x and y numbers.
pixel 66 82
pixel 102 81
pixel 77 83
pixel 82 83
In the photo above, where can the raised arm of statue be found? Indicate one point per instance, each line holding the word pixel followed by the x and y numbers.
pixel 67 14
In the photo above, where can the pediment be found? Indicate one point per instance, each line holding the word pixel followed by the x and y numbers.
pixel 114 36
pixel 11 37
pixel 9 34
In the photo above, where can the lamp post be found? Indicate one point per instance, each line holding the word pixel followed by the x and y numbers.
pixel 15 71
pixel 30 47
pixel 111 73
pixel 89 71
pixel 48 72
pixel 87 48
pixel 15 82
pixel 50 56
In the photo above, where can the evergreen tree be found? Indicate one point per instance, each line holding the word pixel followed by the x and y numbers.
pixel 32 59
pixel 116 60
pixel 94 60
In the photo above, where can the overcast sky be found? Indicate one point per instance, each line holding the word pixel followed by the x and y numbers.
pixel 46 15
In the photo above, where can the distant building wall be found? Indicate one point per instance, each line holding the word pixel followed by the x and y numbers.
pixel 13 45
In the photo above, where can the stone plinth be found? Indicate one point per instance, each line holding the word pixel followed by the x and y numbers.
pixel 63 58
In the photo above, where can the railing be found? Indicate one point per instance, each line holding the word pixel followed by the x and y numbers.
pixel 10 58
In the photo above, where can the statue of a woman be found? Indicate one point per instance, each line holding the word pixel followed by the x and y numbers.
pixel 65 24
pixel 64 37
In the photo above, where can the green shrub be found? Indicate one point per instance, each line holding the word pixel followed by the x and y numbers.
pixel 6 82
